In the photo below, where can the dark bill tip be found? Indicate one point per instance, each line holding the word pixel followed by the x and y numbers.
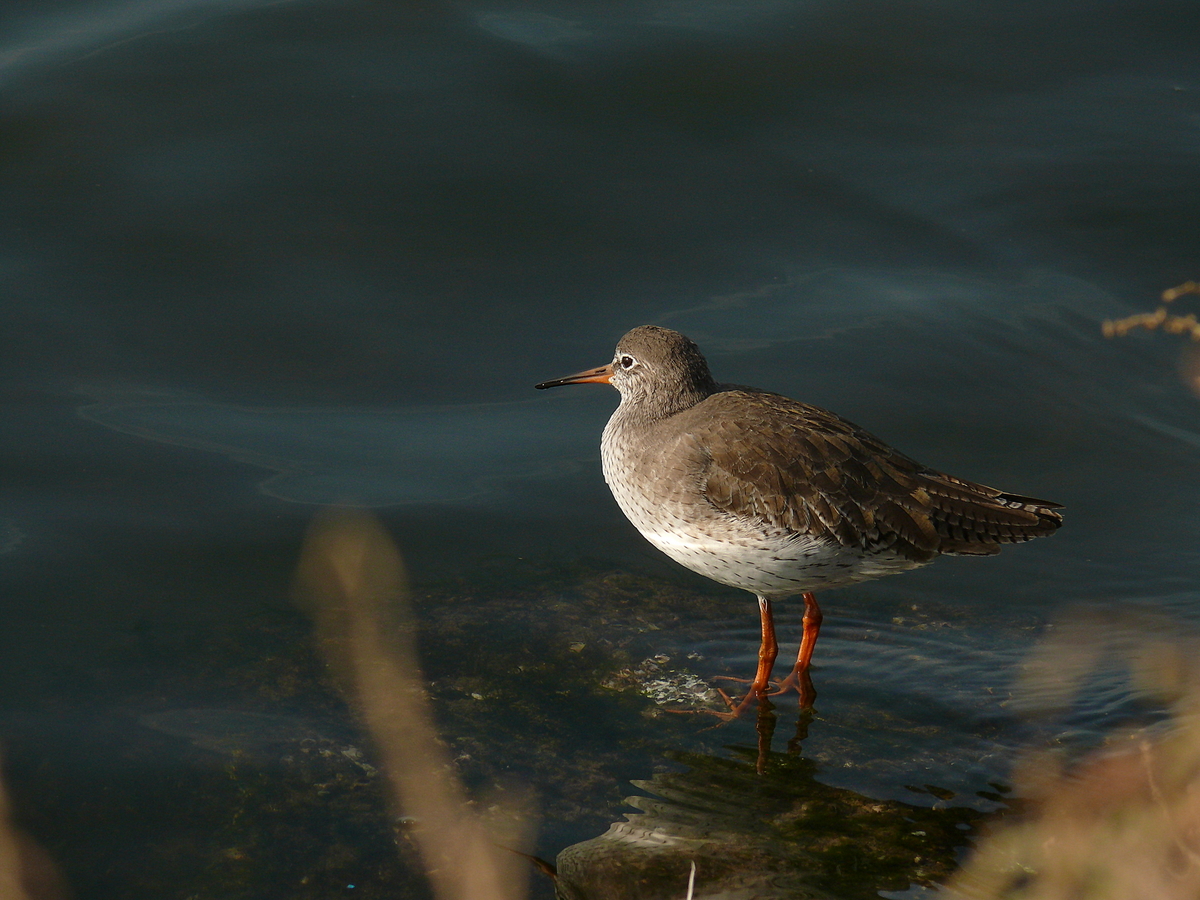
pixel 601 375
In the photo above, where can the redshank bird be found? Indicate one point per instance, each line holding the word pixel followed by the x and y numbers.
pixel 779 497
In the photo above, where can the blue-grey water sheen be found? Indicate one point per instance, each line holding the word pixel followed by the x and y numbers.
pixel 264 257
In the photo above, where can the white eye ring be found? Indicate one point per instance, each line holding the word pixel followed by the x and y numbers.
pixel 627 362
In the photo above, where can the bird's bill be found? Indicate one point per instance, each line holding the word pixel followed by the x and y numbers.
pixel 602 375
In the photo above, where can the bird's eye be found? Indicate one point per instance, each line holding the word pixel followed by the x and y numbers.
pixel 627 362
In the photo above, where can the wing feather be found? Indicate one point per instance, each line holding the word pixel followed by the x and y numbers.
pixel 808 471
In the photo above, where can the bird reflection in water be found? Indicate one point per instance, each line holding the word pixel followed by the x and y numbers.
pixel 780 833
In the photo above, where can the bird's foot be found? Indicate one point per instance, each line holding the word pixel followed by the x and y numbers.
pixel 732 711
pixel 755 696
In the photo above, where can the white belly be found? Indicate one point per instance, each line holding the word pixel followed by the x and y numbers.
pixel 774 567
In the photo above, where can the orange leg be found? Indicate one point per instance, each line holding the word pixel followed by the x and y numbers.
pixel 799 678
pixel 768 650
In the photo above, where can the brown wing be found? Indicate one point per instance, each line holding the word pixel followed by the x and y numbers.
pixel 815 473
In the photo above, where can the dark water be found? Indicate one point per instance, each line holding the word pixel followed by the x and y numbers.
pixel 259 257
